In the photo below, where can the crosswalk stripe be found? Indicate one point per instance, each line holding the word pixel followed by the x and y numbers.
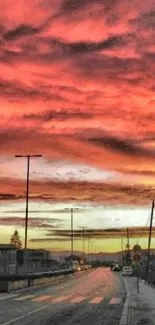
pixel 77 299
pixel 60 299
pixel 42 298
pixel 7 296
pixel 96 300
pixel 24 297
pixel 115 301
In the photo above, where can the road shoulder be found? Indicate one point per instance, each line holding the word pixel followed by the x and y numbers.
pixel 142 305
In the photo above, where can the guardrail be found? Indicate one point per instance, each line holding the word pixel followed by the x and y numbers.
pixel 16 281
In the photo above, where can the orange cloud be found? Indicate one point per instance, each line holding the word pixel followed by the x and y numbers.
pixel 55 235
pixel 77 85
pixel 97 192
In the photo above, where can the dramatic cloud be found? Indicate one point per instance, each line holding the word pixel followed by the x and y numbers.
pixel 33 222
pixel 139 232
pixel 77 86
pixel 19 31
pixel 58 115
pixel 97 192
pixel 126 147
pixel 107 233
pixel 58 211
pixel 51 239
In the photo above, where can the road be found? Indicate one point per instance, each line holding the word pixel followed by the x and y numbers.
pixel 93 298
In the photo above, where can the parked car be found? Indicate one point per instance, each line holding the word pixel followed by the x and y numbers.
pixel 116 268
pixel 127 271
pixel 111 266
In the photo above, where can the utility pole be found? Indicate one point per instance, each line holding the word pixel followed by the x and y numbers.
pixel 128 259
pixel 27 190
pixel 149 241
pixel 128 245
pixel 83 238
pixel 122 249
pixel 72 238
pixel 88 248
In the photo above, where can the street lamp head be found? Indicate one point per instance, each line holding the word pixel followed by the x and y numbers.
pixel 21 156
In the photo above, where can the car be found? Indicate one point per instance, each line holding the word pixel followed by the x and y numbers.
pixel 116 268
pixel 127 271
pixel 111 266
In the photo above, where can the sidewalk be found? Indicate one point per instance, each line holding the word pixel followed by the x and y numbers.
pixel 142 305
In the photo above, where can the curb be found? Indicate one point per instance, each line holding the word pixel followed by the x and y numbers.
pixel 124 316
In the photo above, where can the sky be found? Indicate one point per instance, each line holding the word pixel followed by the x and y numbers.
pixel 77 86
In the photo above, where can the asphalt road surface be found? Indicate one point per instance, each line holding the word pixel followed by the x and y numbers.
pixel 93 298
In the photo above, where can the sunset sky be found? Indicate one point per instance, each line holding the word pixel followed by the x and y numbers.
pixel 77 85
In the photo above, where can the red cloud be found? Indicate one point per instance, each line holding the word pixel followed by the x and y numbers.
pixel 53 191
pixel 77 84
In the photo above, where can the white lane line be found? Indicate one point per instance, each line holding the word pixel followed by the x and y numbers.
pixel 96 300
pixel 60 299
pixel 77 300
pixel 14 320
pixel 115 301
pixel 7 296
pixel 24 297
pixel 42 298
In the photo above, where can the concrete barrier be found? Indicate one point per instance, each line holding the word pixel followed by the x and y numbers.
pixel 33 280
pixel 4 286
pixel 37 282
pixel 44 280
pixel 15 285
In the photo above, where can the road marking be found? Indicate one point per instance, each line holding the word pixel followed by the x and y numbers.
pixel 115 301
pixel 24 297
pixel 24 316
pixel 42 298
pixel 60 299
pixel 60 288
pixel 7 296
pixel 96 300
pixel 77 299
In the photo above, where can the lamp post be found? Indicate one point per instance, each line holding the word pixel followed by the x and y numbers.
pixel 72 238
pixel 27 189
pixel 122 250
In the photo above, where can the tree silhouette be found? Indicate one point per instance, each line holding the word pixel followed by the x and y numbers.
pixel 15 240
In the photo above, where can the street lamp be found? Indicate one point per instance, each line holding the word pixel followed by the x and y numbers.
pixel 122 250
pixel 27 189
pixel 72 238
